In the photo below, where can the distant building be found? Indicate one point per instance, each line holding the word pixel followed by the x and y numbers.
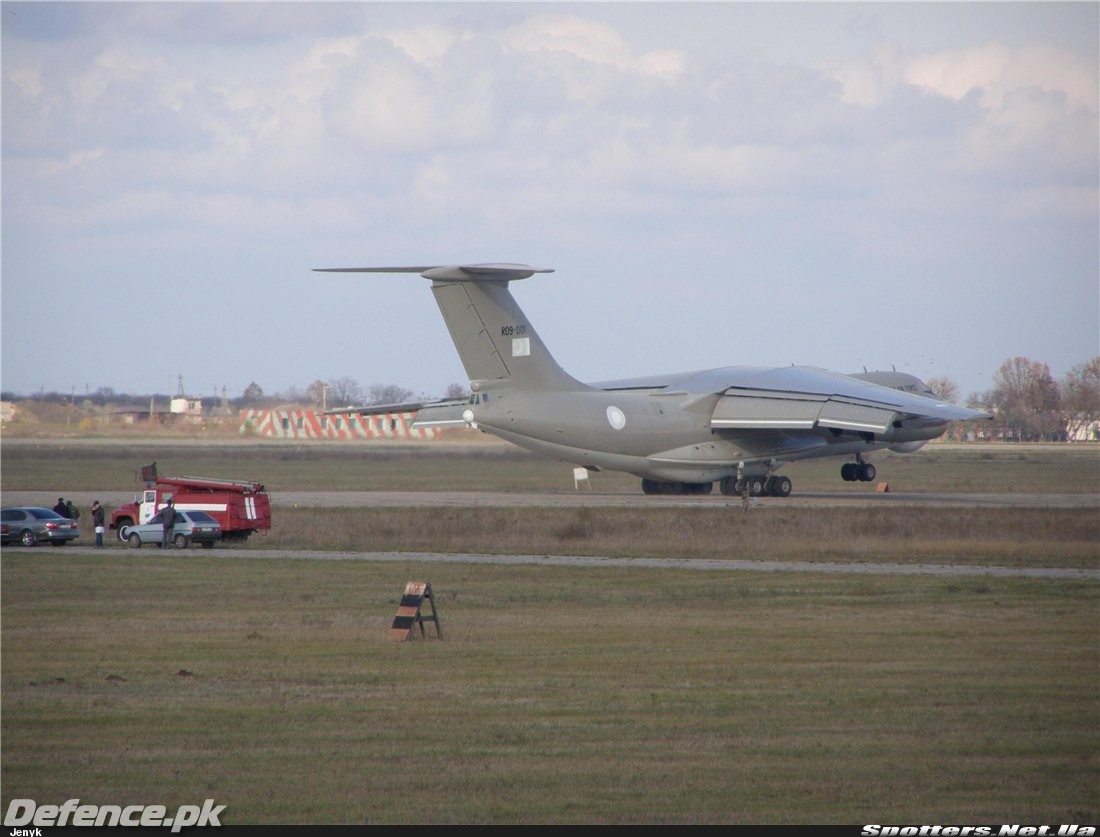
pixel 180 409
pixel 183 406
pixel 1086 433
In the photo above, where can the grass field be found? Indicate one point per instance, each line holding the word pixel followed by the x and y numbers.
pixel 557 694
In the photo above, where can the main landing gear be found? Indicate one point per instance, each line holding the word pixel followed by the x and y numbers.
pixel 858 471
pixel 773 486
pixel 664 487
pixel 757 486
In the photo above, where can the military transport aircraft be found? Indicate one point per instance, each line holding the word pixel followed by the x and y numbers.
pixel 680 433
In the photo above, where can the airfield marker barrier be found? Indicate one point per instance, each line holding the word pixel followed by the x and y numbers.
pixel 409 611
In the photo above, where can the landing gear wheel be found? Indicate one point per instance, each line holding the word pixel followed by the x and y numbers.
pixel 867 472
pixel 780 486
pixel 729 486
pixel 848 472
pixel 755 486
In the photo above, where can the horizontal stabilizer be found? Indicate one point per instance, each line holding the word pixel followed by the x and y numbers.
pixel 503 271
pixel 376 409
pixel 442 414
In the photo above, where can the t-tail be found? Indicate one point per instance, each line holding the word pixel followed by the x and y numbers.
pixel 497 344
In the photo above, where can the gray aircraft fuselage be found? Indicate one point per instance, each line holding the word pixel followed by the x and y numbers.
pixel 736 425
pixel 667 434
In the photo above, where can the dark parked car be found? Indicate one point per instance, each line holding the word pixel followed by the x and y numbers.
pixel 30 525
pixel 190 527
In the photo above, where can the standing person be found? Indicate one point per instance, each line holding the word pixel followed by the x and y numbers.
pixel 62 507
pixel 168 520
pixel 74 512
pixel 97 522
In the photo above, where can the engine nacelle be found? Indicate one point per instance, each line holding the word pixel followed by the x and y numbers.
pixel 908 447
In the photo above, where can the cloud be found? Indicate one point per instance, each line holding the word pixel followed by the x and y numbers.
pixel 995 71
pixel 155 136
pixel 591 42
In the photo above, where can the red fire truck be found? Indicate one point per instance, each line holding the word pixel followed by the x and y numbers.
pixel 240 507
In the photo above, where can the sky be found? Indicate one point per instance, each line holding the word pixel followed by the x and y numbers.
pixel 841 185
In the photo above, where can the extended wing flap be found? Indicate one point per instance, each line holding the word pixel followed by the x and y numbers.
pixel 790 411
pixel 860 418
pixel 766 411
pixel 820 399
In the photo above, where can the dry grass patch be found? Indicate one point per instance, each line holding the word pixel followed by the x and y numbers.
pixel 1014 537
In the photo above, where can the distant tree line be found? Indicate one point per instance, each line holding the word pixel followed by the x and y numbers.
pixel 1026 400
pixel 339 392
pixel 1029 405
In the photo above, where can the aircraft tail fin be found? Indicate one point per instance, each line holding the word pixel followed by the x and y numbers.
pixel 491 333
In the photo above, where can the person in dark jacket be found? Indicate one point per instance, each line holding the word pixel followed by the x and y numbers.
pixel 168 520
pixel 97 522
pixel 62 508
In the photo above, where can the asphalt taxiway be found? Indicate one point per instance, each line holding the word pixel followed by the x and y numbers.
pixel 582 497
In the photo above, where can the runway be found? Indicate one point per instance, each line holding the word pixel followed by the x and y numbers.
pixel 693 564
pixel 581 498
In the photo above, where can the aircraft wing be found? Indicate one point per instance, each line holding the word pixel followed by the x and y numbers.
pixel 800 398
